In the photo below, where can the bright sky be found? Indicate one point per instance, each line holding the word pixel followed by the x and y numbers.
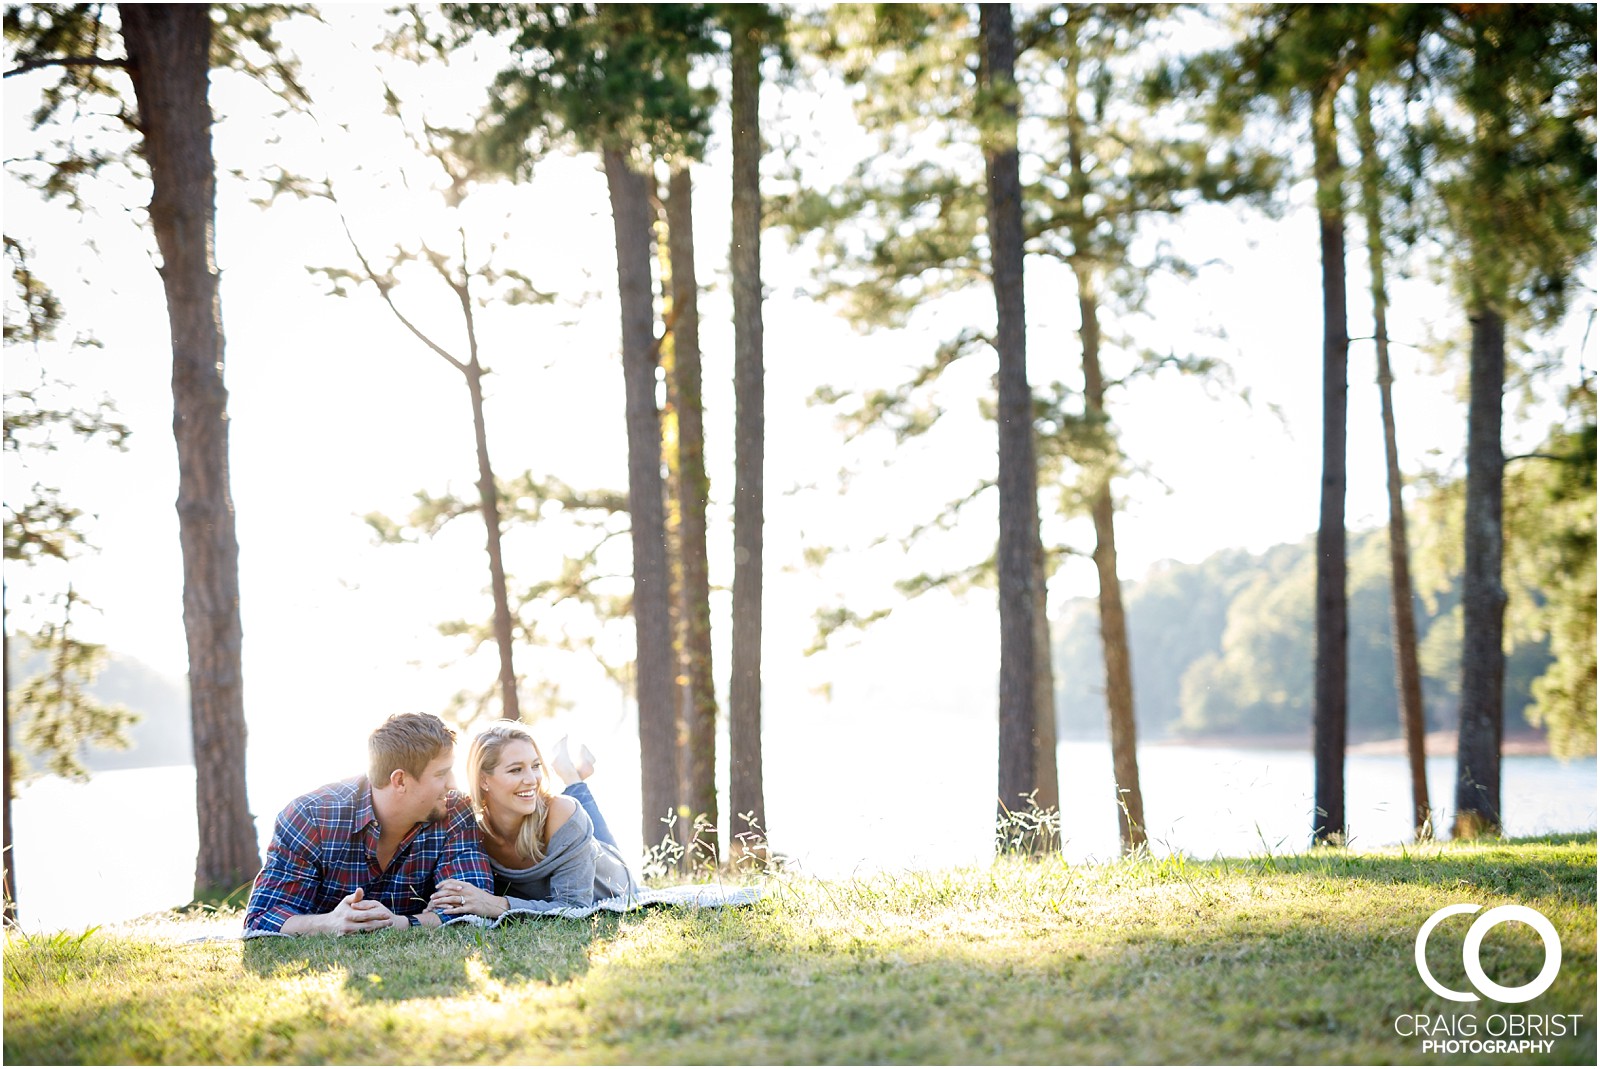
pixel 337 411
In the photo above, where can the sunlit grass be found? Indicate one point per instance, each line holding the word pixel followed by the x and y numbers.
pixel 1302 958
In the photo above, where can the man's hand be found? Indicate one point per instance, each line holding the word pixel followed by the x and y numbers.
pixel 354 913
pixel 358 913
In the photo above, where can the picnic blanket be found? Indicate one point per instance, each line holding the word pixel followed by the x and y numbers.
pixel 684 896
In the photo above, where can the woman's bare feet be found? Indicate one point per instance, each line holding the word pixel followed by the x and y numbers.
pixel 570 772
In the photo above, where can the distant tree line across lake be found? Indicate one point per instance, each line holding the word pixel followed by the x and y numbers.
pixel 1222 647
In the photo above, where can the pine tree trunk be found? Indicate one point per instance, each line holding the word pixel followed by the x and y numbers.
pixel 489 506
pixel 1046 776
pixel 1408 674
pixel 671 463
pixel 1483 598
pixel 1128 798
pixel 1019 508
pixel 1113 620
pixel 746 800
pixel 169 49
pixel 699 788
pixel 1119 678
pixel 1330 712
pixel 630 211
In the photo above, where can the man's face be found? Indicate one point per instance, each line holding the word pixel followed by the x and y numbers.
pixel 433 788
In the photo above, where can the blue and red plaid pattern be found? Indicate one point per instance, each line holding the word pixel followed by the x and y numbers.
pixel 325 845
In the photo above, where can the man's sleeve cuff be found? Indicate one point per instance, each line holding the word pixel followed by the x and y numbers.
pixel 269 922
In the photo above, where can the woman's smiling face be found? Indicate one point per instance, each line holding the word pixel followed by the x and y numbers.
pixel 513 786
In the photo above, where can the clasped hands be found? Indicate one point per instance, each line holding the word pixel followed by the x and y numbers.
pixel 458 898
pixel 358 913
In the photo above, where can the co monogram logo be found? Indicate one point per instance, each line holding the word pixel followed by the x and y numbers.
pixel 1473 944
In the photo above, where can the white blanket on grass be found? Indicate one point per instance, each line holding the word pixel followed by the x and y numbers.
pixel 686 896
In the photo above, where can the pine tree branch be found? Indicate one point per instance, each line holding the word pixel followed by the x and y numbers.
pixel 27 66
pixel 384 287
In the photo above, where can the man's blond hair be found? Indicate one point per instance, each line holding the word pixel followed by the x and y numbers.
pixel 409 741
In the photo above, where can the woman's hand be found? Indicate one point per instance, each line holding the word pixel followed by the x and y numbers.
pixel 458 898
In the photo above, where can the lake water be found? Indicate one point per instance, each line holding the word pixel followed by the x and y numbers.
pixel 123 844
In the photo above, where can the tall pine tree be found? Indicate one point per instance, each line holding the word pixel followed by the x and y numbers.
pixel 751 28
pixel 1517 182
pixel 1019 503
pixel 613 79
pixel 167 54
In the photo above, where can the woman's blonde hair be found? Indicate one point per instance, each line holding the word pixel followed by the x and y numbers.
pixel 482 759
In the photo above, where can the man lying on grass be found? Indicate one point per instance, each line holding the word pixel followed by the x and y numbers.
pixel 367 853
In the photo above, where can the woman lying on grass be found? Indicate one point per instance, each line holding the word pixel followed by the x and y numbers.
pixel 545 849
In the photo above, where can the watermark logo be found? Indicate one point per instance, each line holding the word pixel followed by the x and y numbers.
pixel 1499 1033
pixel 1473 944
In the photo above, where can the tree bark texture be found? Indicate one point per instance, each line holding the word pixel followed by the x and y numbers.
pixel 1483 597
pixel 667 370
pixel 168 49
pixel 1019 507
pixel 699 766
pixel 746 799
pixel 630 211
pixel 1330 711
pixel 489 506
pixel 1129 798
pixel 1408 674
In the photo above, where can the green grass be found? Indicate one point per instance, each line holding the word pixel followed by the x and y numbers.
pixel 1304 958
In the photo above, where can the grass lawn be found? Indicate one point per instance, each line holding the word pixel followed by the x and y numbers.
pixel 1304 959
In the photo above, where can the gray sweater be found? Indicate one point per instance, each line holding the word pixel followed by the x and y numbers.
pixel 576 870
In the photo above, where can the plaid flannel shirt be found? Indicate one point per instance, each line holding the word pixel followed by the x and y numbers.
pixel 325 845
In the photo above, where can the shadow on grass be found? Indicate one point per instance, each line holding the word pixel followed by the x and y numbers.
pixel 1305 960
pixel 285 1001
pixel 395 966
pixel 1541 867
